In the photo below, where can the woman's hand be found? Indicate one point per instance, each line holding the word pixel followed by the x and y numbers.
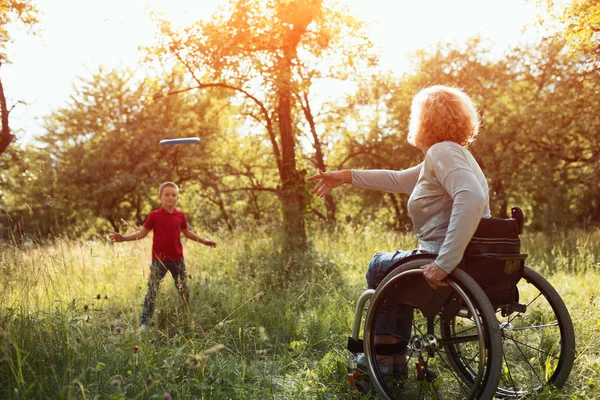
pixel 434 275
pixel 329 180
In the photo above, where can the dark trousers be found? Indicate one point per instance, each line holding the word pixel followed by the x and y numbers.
pixel 158 270
pixel 392 319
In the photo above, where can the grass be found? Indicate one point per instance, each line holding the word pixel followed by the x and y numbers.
pixel 262 324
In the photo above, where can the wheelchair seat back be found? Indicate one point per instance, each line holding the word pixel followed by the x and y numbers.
pixel 494 260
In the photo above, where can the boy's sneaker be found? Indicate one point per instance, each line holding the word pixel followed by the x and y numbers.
pixel 143 327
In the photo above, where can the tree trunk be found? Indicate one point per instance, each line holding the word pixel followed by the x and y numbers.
pixel 397 211
pixel 253 199
pixel 501 201
pixel 5 136
pixel 292 185
pixel 112 223
pixel 319 157
pixel 138 211
pixel 224 213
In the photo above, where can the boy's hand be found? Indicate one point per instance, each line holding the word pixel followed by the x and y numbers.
pixel 210 243
pixel 116 237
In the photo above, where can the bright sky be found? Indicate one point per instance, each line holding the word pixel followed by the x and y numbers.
pixel 77 36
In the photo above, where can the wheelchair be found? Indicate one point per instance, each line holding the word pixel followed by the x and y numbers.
pixel 498 330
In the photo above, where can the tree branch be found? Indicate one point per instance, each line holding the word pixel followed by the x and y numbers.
pixel 265 112
pixel 5 136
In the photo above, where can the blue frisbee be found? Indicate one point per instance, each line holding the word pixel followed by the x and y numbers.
pixel 180 140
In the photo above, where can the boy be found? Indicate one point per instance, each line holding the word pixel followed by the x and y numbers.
pixel 167 252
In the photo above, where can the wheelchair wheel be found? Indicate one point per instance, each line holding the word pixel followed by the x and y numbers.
pixel 411 360
pixel 538 340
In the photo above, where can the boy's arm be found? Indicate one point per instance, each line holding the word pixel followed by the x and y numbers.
pixel 117 237
pixel 191 235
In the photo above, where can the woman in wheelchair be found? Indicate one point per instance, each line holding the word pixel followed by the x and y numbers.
pixel 453 326
pixel 448 190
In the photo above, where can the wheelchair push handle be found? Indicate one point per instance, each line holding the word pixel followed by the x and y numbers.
pixel 517 214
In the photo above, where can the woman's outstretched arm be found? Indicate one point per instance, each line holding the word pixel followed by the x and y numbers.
pixel 379 179
pixel 330 180
pixel 387 180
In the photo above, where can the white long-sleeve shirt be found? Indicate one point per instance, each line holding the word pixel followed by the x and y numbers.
pixel 448 197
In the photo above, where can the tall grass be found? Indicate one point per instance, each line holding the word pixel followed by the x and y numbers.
pixel 262 323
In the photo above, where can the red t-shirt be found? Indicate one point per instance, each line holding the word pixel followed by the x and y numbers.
pixel 166 243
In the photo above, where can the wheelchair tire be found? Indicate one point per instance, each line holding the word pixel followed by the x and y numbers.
pixel 538 343
pixel 433 374
pixel 550 340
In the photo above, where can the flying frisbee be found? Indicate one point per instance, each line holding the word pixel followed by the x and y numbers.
pixel 180 140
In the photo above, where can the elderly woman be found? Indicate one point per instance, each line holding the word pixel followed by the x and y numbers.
pixel 448 191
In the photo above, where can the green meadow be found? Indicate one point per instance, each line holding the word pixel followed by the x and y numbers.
pixel 262 324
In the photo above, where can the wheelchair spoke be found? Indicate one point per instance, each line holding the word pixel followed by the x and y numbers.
pixel 467 362
pixel 535 326
pixel 526 306
pixel 396 335
pixel 435 392
pixel 456 377
pixel 465 330
pixel 510 378
pixel 525 358
pixel 517 343
pixel 436 320
pixel 421 389
pixel 472 360
pixel 417 329
pixel 460 339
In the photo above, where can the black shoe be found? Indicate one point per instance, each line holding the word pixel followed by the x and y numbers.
pixel 430 376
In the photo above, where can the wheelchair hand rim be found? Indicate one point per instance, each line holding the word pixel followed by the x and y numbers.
pixel 370 315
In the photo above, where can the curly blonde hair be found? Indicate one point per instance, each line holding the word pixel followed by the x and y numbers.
pixel 442 113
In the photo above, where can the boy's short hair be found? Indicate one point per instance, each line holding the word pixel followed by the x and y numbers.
pixel 167 184
pixel 442 113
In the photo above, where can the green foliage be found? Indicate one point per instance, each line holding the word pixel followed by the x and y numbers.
pixel 99 164
pixel 23 11
pixel 537 144
pixel 105 143
pixel 578 21
pixel 269 53
pixel 100 160
pixel 70 312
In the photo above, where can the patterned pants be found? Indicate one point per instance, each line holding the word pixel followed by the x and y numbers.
pixel 158 270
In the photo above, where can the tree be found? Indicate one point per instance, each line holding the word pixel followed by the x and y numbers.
pixel 11 10
pixel 260 50
pixel 105 148
pixel 538 144
pixel 579 24
pixel 368 131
